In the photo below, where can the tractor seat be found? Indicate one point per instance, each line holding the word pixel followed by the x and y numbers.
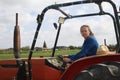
pixel 103 50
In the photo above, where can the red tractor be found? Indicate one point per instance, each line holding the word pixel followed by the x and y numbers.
pixel 104 67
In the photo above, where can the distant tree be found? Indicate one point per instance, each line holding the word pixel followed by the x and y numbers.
pixel 74 47
pixel 44 45
pixel 71 47
pixel 25 48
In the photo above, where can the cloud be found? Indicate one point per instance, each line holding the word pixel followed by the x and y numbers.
pixel 28 11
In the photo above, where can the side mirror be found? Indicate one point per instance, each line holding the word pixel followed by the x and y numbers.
pixel 55 26
pixel 39 19
pixel 61 20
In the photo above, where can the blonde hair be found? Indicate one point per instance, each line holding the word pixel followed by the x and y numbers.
pixel 91 33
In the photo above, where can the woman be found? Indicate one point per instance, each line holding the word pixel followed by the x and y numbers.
pixel 89 47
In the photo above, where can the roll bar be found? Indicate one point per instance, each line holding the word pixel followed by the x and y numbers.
pixel 58 6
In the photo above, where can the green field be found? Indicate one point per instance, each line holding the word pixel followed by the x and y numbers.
pixel 44 53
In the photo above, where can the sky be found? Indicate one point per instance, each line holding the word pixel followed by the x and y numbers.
pixel 102 26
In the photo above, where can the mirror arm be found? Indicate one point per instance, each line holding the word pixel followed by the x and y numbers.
pixel 57 36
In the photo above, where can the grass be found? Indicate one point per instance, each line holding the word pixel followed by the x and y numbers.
pixel 44 53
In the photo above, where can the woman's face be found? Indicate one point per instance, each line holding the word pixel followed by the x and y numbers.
pixel 85 32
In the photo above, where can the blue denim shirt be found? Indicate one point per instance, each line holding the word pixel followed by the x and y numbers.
pixel 89 48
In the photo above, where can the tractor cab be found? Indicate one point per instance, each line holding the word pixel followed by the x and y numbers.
pixel 51 68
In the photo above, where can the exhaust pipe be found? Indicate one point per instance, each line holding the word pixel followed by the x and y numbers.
pixel 16 39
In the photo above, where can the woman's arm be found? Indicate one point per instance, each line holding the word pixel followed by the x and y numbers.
pixel 89 48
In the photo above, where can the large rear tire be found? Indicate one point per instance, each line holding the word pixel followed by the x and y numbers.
pixel 103 71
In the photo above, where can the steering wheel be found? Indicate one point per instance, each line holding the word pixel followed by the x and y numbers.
pixel 64 65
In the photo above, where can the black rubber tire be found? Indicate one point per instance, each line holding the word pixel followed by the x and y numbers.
pixel 103 71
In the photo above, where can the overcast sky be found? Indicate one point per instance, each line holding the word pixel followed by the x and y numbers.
pixel 28 10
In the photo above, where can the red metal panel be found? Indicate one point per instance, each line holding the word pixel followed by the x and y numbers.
pixel 7 73
pixel 40 71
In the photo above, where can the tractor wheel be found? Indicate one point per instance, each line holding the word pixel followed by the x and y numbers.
pixel 103 71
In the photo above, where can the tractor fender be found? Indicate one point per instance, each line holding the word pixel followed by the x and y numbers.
pixel 84 63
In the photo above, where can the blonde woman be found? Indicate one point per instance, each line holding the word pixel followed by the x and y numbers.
pixel 89 47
